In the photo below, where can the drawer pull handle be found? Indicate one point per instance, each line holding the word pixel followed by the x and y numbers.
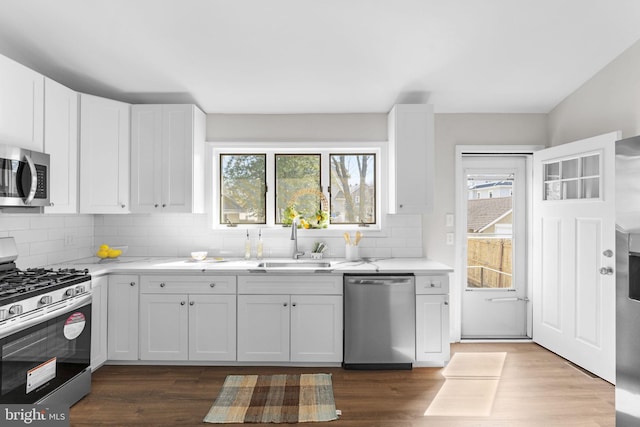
pixel 294 304
pixel 162 285
pixel 182 303
pixel 212 285
pixel 191 302
pixel 132 284
pixel 285 304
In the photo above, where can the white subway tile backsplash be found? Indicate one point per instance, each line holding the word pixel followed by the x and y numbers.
pixel 46 238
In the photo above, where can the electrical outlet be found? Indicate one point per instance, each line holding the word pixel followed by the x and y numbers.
pixel 450 238
pixel 68 239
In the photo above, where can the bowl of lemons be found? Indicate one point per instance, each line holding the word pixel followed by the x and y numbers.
pixel 110 253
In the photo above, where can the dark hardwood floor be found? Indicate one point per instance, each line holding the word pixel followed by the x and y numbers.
pixel 537 388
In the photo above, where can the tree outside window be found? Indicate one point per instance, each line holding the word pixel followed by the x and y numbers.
pixel 243 188
pixel 353 193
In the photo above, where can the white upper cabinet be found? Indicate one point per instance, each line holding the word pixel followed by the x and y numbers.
pixel 61 143
pixel 104 155
pixel 411 159
pixel 167 158
pixel 21 105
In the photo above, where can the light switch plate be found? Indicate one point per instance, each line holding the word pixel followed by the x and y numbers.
pixel 449 220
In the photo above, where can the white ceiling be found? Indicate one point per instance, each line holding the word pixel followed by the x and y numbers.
pixel 322 56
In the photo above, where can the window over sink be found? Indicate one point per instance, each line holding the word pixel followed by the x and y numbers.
pixel 266 184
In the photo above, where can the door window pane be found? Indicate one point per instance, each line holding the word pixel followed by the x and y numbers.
pixel 297 187
pixel 490 231
pixel 572 179
pixel 353 192
pixel 242 188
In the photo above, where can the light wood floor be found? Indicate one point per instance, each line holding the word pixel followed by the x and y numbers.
pixel 537 388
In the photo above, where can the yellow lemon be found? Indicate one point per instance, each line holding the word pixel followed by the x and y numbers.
pixel 104 248
pixel 102 254
pixel 114 253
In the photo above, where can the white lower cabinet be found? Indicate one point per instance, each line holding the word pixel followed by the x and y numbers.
pixel 290 327
pixel 99 296
pixel 179 326
pixel 432 320
pixel 122 335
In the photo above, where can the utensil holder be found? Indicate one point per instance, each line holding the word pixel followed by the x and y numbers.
pixel 316 255
pixel 352 253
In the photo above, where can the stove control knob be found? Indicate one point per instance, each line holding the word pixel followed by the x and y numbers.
pixel 3 314
pixel 69 292
pixel 79 289
pixel 14 310
pixel 47 299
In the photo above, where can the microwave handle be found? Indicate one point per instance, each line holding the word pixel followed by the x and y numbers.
pixel 34 180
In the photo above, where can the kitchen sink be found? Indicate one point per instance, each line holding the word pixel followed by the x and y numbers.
pixel 313 265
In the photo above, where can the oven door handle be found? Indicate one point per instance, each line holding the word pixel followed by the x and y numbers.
pixel 34 180
pixel 45 314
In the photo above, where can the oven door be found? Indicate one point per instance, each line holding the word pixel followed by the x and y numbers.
pixel 24 177
pixel 45 350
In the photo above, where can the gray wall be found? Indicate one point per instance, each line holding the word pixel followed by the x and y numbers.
pixel 450 130
pixel 608 102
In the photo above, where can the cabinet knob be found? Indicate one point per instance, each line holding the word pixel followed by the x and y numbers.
pixel 51 204
pixel 191 302
pixel 608 253
pixel 162 285
pixel 164 205
pixel 212 285
pixel 155 206
pixel 446 303
pixel 123 206
pixel 182 303
pixel 432 285
pixel 294 304
pixel 285 304
pixel 401 206
pixel 132 284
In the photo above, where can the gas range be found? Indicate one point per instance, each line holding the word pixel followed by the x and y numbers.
pixel 22 291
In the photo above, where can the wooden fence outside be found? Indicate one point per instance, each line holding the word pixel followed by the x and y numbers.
pixel 489 263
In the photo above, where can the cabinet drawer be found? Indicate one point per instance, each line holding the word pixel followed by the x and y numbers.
pixel 312 284
pixel 188 284
pixel 432 284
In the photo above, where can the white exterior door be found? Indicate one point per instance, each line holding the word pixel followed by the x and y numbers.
pixel 494 293
pixel 573 234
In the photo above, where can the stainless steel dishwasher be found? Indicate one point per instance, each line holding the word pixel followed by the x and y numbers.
pixel 379 321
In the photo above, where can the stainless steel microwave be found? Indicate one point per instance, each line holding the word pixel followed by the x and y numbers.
pixel 24 177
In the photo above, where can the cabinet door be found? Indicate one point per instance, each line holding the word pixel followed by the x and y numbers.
pixel 146 158
pixel 316 328
pixel 99 295
pixel 177 158
pixel 432 329
pixel 61 143
pixel 104 155
pixel 21 105
pixel 263 328
pixel 164 323
pixel 212 327
pixel 411 158
pixel 122 333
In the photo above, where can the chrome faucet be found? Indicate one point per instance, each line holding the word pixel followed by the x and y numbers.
pixel 294 236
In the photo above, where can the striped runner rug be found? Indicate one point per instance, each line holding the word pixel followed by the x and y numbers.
pixel 274 399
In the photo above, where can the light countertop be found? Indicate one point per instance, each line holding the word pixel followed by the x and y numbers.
pixel 152 265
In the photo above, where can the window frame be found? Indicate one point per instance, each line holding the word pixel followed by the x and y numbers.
pixel 270 149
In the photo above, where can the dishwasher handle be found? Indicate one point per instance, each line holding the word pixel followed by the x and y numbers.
pixel 385 281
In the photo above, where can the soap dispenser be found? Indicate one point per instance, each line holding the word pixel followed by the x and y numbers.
pixel 247 247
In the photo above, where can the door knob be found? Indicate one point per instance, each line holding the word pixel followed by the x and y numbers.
pixel 608 253
pixel 607 271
